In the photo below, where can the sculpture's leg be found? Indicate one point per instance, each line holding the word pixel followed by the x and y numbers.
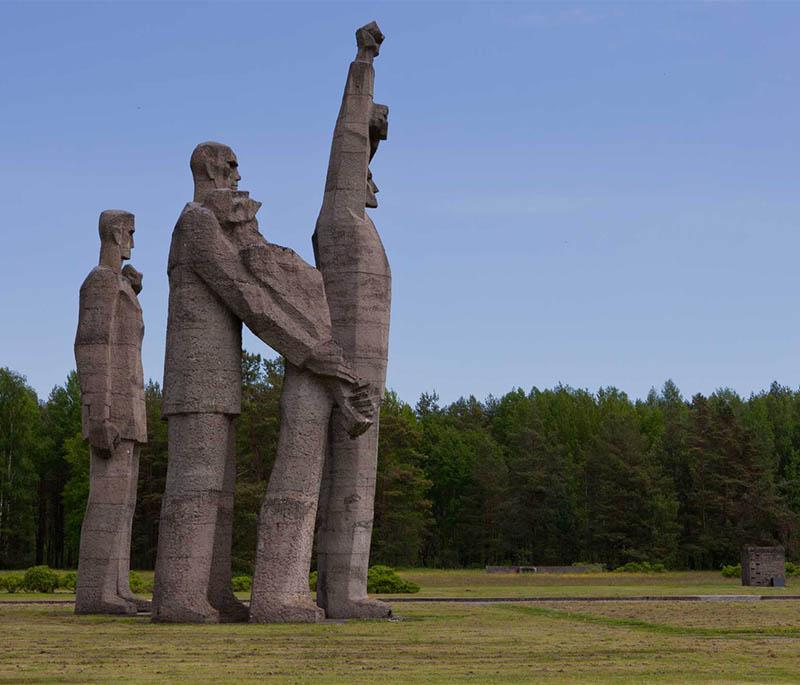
pixel 286 522
pixel 359 303
pixel 220 591
pixel 345 526
pixel 198 452
pixel 103 534
pixel 124 567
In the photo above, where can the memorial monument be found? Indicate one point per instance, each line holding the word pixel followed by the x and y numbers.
pixel 108 347
pixel 315 446
pixel 222 273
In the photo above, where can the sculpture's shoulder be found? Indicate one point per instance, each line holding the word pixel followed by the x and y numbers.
pixel 195 228
pixel 100 279
pixel 195 217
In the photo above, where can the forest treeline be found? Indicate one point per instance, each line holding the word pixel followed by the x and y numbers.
pixel 543 477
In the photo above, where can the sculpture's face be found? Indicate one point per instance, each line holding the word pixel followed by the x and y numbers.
pixel 125 237
pixel 372 191
pixel 379 123
pixel 226 172
pixel 378 131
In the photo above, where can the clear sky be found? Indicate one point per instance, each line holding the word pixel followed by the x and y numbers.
pixel 594 194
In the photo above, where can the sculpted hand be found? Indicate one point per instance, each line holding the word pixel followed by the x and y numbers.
pixel 134 277
pixel 368 39
pixel 103 436
pixel 358 404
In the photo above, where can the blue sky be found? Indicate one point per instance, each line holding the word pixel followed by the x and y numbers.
pixel 594 194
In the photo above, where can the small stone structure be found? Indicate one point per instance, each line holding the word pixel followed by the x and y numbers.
pixel 763 566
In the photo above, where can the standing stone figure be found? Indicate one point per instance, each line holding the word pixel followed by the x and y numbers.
pixel 223 273
pixel 350 255
pixel 108 349
pixel 286 522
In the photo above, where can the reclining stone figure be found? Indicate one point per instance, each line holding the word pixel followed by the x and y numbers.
pixel 222 273
pixel 108 348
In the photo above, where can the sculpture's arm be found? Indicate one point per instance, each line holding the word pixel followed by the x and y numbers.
pixel 346 181
pixel 303 340
pixel 98 304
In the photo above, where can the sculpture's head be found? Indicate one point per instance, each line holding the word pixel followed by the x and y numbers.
pixel 214 166
pixel 378 131
pixel 116 231
pixel 378 123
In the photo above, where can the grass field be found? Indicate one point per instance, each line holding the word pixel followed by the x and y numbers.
pixel 635 642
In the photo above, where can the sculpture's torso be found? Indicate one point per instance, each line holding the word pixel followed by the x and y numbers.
pixel 124 350
pixel 358 285
pixel 202 365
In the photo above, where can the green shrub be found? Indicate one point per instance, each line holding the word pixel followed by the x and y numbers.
pixel 68 580
pixel 792 569
pixel 640 567
pixel 384 579
pixel 12 582
pixel 242 583
pixel 139 585
pixel 379 579
pixel 40 579
pixel 732 571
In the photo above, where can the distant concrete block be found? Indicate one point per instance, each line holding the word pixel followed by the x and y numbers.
pixel 763 566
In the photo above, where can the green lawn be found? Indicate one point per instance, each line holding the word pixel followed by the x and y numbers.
pixel 635 642
pixel 437 643
pixel 478 583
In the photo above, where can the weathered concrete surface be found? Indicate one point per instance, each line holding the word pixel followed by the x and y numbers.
pixel 108 347
pixel 350 255
pixel 315 377
pixel 223 272
pixel 763 566
pixel 286 523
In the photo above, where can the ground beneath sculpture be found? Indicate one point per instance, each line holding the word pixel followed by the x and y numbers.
pixel 436 643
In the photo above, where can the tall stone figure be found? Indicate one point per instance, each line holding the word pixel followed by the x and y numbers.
pixel 108 348
pixel 310 435
pixel 222 273
pixel 350 255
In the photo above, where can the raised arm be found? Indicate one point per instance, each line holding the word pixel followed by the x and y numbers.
pixel 98 302
pixel 346 183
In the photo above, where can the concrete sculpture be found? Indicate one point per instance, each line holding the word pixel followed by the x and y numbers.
pixel 350 255
pixel 108 356
pixel 314 431
pixel 222 273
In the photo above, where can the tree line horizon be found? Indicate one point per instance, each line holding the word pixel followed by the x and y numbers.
pixel 555 476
